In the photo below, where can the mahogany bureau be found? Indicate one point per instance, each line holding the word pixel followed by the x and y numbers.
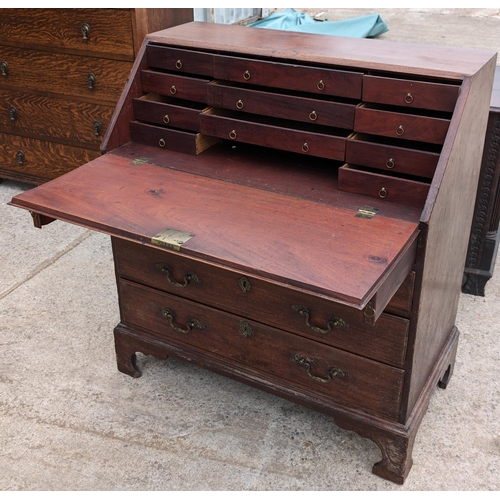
pixel 61 74
pixel 288 210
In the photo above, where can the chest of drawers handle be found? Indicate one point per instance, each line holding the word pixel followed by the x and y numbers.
pixel 313 116
pixel 332 322
pixel 20 157
pixel 12 114
pixel 91 80
pixel 246 75
pixel 400 130
pixel 390 163
pixel 239 104
pixel 333 373
pixel 192 323
pixel 321 85
pixel 178 64
pixel 190 276
pixel 4 67
pixel 382 193
pixel 408 98
pixel 85 28
pixel 97 128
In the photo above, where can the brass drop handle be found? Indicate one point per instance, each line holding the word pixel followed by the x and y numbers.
pixel 162 143
pixel 232 134
pixel 173 90
pixel 313 116
pixel 239 104
pixel 178 64
pixel 305 147
pixel 189 276
pixel 97 128
pixel 333 373
pixel 85 28
pixel 166 119
pixel 400 130
pixel 12 113
pixel 333 322
pixel 4 67
pixel 390 163
pixel 246 75
pixel 91 81
pixel 192 323
pixel 382 193
pixel 408 98
pixel 20 157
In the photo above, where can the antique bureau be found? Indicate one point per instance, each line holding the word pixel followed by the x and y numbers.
pixel 288 210
pixel 61 75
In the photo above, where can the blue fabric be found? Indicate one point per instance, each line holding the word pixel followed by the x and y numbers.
pixel 371 25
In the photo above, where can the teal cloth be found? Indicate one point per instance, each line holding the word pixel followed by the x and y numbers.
pixel 368 26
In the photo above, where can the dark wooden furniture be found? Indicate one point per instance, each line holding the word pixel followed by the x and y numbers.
pixel 61 75
pixel 484 235
pixel 282 208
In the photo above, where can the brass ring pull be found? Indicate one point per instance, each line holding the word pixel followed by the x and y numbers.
pixel 368 311
pixel 20 157
pixel 390 163
pixel 408 98
pixel 4 68
pixel 332 322
pixel 178 64
pixel 400 130
pixel 192 323
pixel 173 90
pixel 12 113
pixel 239 104
pixel 85 29
pixel 246 75
pixel 232 134
pixel 333 373
pixel 305 147
pixel 91 80
pixel 313 116
pixel 190 276
pixel 97 128
pixel 166 119
pixel 382 193
pixel 162 143
pixel 321 85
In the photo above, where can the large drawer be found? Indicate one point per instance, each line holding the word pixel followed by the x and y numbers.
pixel 308 315
pixel 287 106
pixel 289 76
pixel 96 80
pixel 101 31
pixel 181 60
pixel 180 87
pixel 321 142
pixel 50 117
pixel 347 379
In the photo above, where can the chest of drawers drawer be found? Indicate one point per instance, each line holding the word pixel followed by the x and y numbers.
pixel 181 87
pixel 180 60
pixel 349 379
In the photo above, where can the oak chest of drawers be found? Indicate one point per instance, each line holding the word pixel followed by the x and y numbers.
pixel 288 210
pixel 61 74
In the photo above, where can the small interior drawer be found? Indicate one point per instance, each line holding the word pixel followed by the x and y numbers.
pixel 289 76
pixel 389 155
pixel 170 139
pixel 252 129
pixel 410 93
pixel 403 298
pixel 390 123
pixel 162 110
pixel 356 179
pixel 181 60
pixel 180 87
pixel 289 106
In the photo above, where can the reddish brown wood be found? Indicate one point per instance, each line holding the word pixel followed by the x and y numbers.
pixel 180 87
pixel 178 60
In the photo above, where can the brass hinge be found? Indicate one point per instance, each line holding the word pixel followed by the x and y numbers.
pixel 171 238
pixel 367 212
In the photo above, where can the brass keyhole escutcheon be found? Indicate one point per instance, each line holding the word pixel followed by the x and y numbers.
pixel 85 29
pixel 232 134
pixel 408 98
pixel 390 163
pixel 382 193
pixel 305 147
pixel 244 284
pixel 166 119
pixel 239 104
pixel 162 143
pixel 246 75
pixel 321 85
pixel 245 329
pixel 313 116
pixel 173 90
pixel 400 130
pixel 178 64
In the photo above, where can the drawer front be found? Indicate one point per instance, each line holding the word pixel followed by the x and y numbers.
pixel 288 76
pixel 163 111
pixel 383 187
pixel 170 139
pixel 390 157
pixel 235 127
pixel 401 125
pixel 264 301
pixel 403 300
pixel 180 87
pixel 288 107
pixel 409 93
pixel 49 117
pixel 36 160
pixel 346 378
pixel 87 30
pixel 183 61
pixel 96 80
